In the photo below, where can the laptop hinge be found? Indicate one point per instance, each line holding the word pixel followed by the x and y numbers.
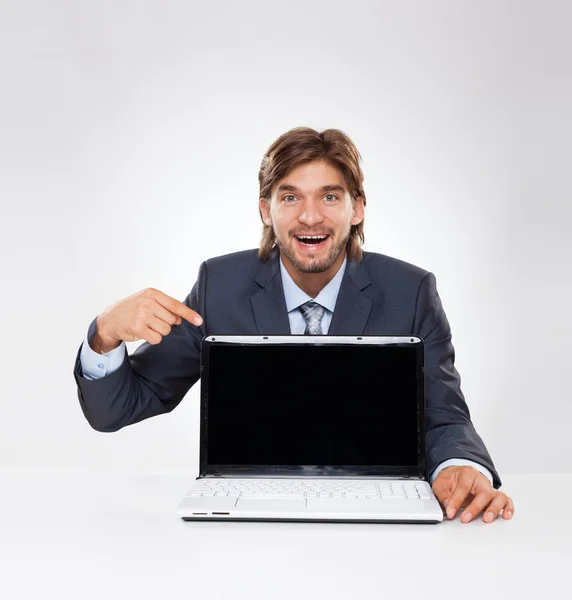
pixel 291 476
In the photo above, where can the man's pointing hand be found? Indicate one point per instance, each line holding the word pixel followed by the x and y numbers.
pixel 148 315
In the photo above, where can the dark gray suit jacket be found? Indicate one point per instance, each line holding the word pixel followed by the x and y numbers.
pixel 238 294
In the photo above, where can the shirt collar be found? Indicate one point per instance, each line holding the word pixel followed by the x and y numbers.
pixel 295 297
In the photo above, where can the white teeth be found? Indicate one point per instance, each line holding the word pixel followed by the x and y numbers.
pixel 312 237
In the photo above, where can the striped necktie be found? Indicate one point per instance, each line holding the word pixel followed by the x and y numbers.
pixel 312 313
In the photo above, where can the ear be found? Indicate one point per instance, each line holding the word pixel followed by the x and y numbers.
pixel 264 210
pixel 358 211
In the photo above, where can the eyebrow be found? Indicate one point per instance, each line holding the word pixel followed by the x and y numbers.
pixel 325 188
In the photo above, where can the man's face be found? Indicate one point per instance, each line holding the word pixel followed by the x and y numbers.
pixel 312 200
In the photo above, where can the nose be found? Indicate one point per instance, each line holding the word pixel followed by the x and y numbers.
pixel 311 214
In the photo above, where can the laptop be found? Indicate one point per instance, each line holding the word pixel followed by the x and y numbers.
pixel 312 428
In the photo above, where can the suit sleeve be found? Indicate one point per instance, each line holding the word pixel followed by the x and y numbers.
pixel 153 380
pixel 449 430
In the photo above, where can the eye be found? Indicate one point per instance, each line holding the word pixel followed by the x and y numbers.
pixel 285 198
pixel 333 196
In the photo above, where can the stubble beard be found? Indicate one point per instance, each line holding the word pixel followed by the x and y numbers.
pixel 313 265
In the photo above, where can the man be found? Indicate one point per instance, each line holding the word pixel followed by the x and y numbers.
pixel 309 275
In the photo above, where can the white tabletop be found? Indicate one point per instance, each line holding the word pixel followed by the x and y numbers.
pixel 86 534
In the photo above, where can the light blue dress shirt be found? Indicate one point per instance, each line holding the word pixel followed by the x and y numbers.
pixel 295 297
pixel 95 366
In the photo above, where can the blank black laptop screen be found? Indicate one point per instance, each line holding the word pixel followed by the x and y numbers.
pixel 312 405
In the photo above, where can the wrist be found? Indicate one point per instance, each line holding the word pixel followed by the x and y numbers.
pixel 102 342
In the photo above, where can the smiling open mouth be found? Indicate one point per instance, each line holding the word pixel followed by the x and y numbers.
pixel 311 240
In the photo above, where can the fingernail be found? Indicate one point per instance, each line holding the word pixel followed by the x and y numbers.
pixel 509 514
pixel 451 513
pixel 489 516
pixel 467 516
pixel 198 321
pixel 445 502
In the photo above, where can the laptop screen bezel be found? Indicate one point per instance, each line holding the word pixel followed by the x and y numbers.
pixel 230 470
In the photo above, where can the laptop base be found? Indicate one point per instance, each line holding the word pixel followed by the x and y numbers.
pixel 392 510
pixel 257 520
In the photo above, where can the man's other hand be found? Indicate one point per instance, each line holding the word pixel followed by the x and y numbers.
pixel 463 486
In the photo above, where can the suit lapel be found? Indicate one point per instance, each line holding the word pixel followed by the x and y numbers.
pixel 268 304
pixel 352 306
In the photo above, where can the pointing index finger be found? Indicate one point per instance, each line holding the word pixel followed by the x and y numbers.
pixel 178 308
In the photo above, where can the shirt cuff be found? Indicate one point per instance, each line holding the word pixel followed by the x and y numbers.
pixel 95 365
pixel 461 462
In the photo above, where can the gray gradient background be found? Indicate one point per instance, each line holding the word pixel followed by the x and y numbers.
pixel 131 134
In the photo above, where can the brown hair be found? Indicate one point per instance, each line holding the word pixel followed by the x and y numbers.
pixel 302 145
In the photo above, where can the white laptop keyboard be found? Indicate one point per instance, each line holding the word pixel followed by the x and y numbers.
pixel 311 488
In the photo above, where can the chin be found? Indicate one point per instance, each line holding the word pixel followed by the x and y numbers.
pixel 313 266
pixel 310 264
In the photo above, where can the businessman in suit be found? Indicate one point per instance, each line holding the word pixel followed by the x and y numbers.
pixel 309 275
